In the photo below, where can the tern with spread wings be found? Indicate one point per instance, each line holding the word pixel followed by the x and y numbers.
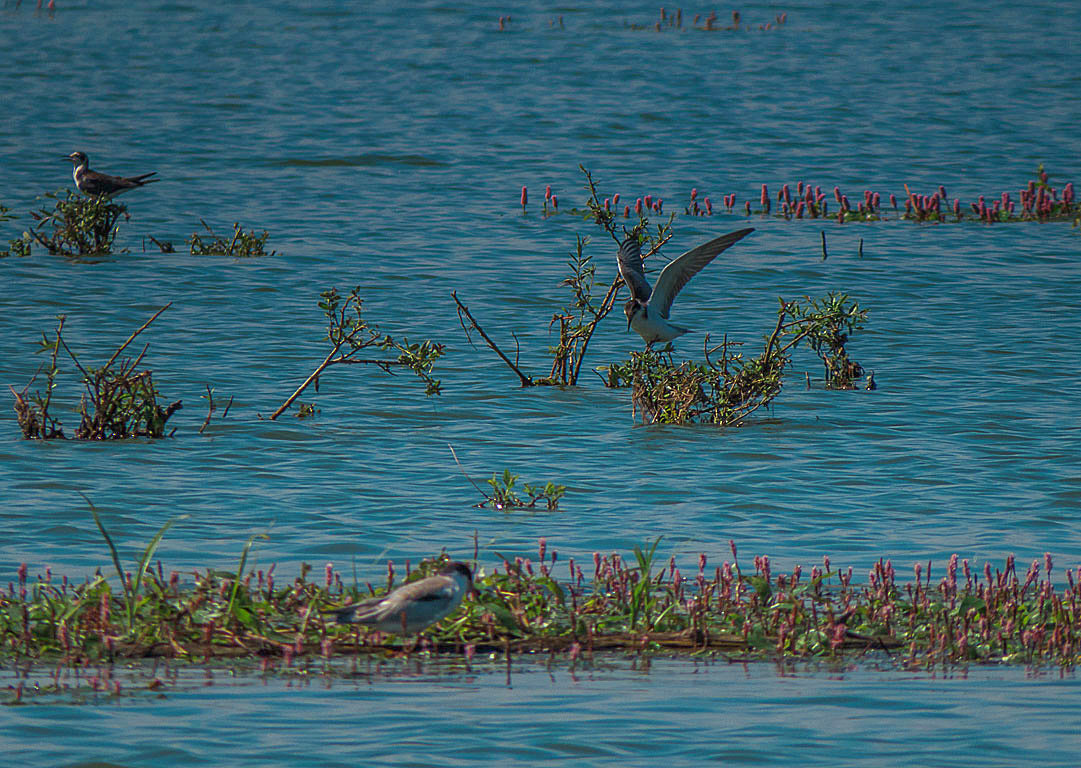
pixel 648 309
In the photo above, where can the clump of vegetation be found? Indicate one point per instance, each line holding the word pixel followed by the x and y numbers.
pixel 241 245
pixel 76 226
pixel 966 616
pixel 349 334
pixel 504 495
pixel 727 390
pixel 119 401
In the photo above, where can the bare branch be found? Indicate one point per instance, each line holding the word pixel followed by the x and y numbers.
pixel 463 309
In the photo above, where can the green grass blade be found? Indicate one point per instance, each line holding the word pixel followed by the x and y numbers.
pixel 148 553
pixel 240 570
pixel 109 541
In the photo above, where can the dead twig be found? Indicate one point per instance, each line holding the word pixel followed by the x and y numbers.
pixel 464 310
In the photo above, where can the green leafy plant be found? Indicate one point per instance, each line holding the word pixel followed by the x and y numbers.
pixel 349 334
pixel 76 225
pixel 241 245
pixel 727 390
pixel 505 496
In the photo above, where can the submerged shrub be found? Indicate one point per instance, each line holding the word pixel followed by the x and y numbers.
pixel 241 245
pixel 119 401
pixel 76 225
pixel 727 390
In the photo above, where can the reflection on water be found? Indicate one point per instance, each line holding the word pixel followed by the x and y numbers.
pixel 530 711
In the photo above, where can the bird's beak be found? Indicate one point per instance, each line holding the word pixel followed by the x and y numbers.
pixel 628 322
pixel 67 157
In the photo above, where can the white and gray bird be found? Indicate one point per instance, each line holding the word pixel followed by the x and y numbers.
pixel 94 184
pixel 648 309
pixel 414 606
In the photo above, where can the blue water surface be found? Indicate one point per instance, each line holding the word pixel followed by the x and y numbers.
pixel 386 147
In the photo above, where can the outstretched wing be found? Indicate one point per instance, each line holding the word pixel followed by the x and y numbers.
pixel 630 269
pixel 674 276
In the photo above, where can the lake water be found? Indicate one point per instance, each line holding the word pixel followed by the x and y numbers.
pixel 386 148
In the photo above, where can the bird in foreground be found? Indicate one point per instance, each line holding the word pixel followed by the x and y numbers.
pixel 94 184
pixel 647 311
pixel 414 606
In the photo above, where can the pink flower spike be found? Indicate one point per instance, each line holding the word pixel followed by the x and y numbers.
pixel 765 195
pixel 694 193
pixel 649 201
pixel 525 197
pixel 747 207
pixel 555 202
pixel 548 192
pixel 709 206
pixel 626 211
pixel 607 204
pixel 615 199
pixel 837 193
pixel 893 200
pixel 638 206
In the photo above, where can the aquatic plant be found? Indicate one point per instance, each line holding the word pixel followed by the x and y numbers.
pixel 18 247
pixel 349 334
pixel 1036 200
pixel 119 401
pixel 964 615
pixel 75 226
pixel 726 391
pixel 241 245
pixel 708 23
pixel 504 496
pixel 211 408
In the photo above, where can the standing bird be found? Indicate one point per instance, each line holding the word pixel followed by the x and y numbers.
pixel 647 311
pixel 414 606
pixel 94 184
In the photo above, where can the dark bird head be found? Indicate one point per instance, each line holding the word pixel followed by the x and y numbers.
pixel 456 568
pixel 630 309
pixel 79 158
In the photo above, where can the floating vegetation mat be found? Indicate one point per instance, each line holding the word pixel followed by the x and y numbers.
pixel 963 615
